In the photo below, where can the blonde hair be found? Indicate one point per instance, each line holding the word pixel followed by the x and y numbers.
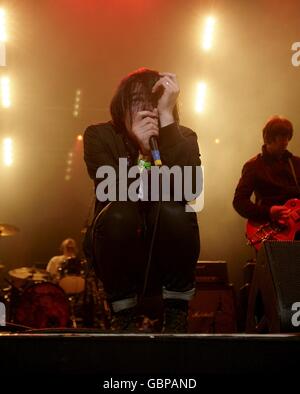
pixel 65 243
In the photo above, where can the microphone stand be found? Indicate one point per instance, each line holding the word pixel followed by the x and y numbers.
pixel 157 162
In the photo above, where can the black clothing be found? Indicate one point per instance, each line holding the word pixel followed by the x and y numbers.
pixel 104 145
pixel 272 182
pixel 122 238
pixel 123 230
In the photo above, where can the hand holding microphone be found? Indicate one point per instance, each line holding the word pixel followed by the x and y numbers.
pixel 145 130
pixel 155 151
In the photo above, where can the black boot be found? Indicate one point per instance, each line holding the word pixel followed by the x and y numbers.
pixel 124 320
pixel 175 316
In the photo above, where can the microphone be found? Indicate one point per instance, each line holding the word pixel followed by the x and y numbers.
pixel 155 151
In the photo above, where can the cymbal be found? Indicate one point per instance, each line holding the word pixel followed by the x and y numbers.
pixel 7 230
pixel 28 270
pixel 25 272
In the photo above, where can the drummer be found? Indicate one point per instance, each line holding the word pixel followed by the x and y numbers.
pixel 69 249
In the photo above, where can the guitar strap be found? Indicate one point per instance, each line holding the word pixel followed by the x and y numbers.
pixel 294 173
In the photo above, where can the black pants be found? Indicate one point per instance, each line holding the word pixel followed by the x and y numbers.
pixel 122 237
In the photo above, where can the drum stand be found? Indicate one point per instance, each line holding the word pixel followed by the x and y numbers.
pixel 71 299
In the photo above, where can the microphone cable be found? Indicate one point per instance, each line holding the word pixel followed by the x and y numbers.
pixel 156 219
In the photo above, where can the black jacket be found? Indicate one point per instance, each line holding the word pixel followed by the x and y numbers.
pixel 104 145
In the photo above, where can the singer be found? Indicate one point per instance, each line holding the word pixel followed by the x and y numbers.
pixel 125 236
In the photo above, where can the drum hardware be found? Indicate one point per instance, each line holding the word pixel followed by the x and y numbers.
pixel 12 327
pixel 10 296
pixel 72 275
pixel 72 303
pixel 21 279
pixel 96 310
pixel 31 304
pixel 72 279
pixel 77 299
pixel 43 305
pixel 24 276
pixel 6 230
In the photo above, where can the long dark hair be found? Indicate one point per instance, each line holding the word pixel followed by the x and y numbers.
pixel 122 100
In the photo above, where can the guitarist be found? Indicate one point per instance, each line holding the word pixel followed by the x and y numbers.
pixel 273 176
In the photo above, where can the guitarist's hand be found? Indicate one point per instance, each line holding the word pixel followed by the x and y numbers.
pixel 280 214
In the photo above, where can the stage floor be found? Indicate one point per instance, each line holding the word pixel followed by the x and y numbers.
pixel 98 354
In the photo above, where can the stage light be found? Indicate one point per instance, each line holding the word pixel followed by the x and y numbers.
pixel 3 38
pixel 2 54
pixel 76 103
pixel 5 92
pixel 79 137
pixel 3 35
pixel 200 97
pixel 68 170
pixel 7 152
pixel 208 33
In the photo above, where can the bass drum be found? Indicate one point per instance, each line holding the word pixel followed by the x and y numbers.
pixel 43 305
pixel 72 274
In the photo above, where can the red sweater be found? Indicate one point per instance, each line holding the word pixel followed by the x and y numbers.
pixel 272 182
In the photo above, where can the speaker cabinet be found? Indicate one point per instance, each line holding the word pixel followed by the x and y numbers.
pixel 275 288
pixel 213 309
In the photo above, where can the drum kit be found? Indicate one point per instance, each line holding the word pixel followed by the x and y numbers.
pixel 35 299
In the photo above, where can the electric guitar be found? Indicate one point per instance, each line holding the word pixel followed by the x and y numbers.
pixel 256 233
